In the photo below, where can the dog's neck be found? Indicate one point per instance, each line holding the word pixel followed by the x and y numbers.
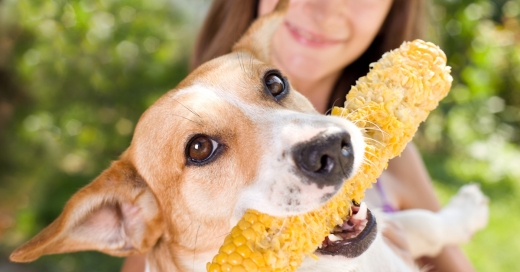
pixel 169 257
pixel 187 250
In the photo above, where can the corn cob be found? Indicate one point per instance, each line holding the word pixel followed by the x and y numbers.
pixel 388 105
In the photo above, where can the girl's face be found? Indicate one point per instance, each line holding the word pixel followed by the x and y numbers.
pixel 320 37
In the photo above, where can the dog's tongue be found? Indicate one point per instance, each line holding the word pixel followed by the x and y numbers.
pixel 353 237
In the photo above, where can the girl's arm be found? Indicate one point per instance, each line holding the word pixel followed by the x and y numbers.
pixel 134 263
pixel 415 191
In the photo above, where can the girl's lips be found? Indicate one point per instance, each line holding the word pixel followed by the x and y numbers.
pixel 310 39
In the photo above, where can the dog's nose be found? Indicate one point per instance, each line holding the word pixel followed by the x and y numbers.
pixel 327 159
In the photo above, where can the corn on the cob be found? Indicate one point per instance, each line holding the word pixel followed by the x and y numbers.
pixel 388 105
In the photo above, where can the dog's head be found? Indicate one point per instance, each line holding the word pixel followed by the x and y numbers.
pixel 232 136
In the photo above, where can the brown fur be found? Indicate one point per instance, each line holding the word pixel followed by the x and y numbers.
pixel 152 200
pixel 145 201
pixel 99 206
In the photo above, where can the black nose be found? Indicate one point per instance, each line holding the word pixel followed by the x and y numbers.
pixel 327 159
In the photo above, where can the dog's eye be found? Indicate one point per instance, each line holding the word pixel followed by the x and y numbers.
pixel 201 148
pixel 275 84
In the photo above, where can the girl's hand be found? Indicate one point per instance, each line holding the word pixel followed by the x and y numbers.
pixel 395 238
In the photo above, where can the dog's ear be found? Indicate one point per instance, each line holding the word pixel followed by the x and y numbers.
pixel 257 39
pixel 116 214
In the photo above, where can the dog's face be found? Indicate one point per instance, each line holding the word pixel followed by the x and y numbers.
pixel 236 136
pixel 232 136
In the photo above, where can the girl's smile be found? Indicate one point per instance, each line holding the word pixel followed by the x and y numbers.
pixel 311 39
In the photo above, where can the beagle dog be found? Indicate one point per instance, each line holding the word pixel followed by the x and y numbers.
pixel 234 135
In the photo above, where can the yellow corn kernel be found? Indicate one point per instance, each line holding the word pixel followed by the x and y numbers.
pixel 239 240
pixel 238 269
pixel 213 267
pixel 249 234
pixel 243 224
pixel 226 267
pixel 250 265
pixel 220 258
pixel 251 218
pixel 257 258
pixel 388 105
pixel 244 251
pixel 234 259
pixel 228 248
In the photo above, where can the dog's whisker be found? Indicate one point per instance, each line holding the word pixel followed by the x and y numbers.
pixel 347 102
pixel 241 63
pixel 368 162
pixel 370 153
pixel 195 247
pixel 376 127
pixel 366 121
pixel 342 168
pixel 198 123
pixel 353 111
pixel 335 101
pixel 302 219
pixel 374 141
pixel 254 49
pixel 330 110
pixel 186 107
pixel 281 227
pixel 254 52
pixel 251 59
pixel 349 114
pixel 225 234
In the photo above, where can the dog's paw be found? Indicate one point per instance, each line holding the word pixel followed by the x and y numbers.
pixel 469 209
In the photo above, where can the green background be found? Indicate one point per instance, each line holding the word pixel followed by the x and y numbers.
pixel 76 75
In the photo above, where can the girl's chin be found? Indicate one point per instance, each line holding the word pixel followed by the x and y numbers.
pixel 308 76
pixel 306 69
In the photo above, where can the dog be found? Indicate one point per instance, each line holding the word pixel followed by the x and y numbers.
pixel 234 136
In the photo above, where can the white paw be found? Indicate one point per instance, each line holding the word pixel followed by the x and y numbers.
pixel 470 208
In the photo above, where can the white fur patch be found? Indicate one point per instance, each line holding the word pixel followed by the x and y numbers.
pixel 278 190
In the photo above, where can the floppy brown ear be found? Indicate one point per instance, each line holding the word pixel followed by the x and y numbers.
pixel 257 39
pixel 116 214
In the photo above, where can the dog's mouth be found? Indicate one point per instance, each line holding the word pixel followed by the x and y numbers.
pixel 353 237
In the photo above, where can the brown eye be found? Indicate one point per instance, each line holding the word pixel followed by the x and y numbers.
pixel 200 149
pixel 275 84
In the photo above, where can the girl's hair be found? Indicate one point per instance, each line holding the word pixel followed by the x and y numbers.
pixel 227 21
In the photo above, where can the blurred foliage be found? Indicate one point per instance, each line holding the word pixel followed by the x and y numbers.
pixel 76 75
pixel 478 124
pixel 86 70
pixel 474 135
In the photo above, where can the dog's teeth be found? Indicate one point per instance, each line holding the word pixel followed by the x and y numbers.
pixel 334 238
pixel 362 213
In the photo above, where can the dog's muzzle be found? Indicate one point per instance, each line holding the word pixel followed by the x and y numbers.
pixel 353 237
pixel 326 159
